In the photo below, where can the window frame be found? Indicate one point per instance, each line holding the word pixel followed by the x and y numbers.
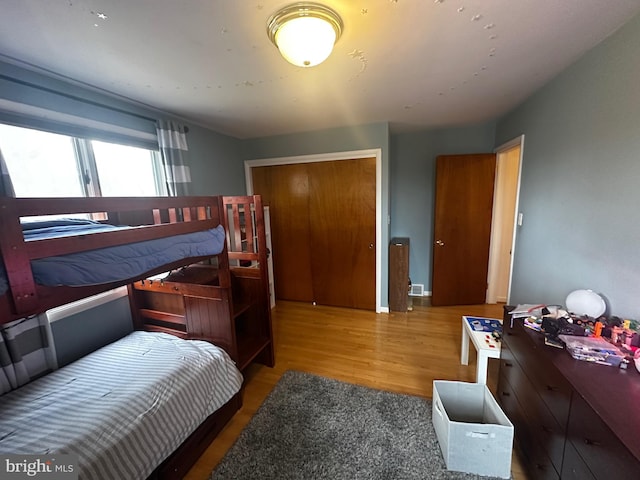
pixel 86 166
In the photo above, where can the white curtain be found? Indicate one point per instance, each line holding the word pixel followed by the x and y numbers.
pixel 172 140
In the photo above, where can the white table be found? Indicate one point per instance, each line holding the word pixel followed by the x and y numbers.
pixel 483 341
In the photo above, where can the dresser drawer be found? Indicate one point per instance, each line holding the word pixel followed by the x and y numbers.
pixel 543 426
pixel 573 467
pixel 520 344
pixel 555 391
pixel 552 387
pixel 597 445
pixel 536 460
pixel 509 402
pixel 507 360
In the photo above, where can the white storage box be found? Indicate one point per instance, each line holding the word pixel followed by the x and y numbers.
pixel 475 435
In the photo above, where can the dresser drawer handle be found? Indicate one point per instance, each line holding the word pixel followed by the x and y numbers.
pixel 593 443
pixel 540 466
pixel 508 364
pixel 506 394
pixel 547 429
pixel 551 388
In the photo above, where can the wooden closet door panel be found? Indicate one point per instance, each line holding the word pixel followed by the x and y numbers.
pixel 342 209
pixel 462 228
pixel 285 188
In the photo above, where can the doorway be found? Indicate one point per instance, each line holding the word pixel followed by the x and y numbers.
pixel 504 220
pixel 301 214
pixel 474 227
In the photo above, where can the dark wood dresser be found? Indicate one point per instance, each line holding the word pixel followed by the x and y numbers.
pixel 572 419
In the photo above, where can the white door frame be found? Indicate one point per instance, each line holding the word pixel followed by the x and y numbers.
pixel 518 141
pixel 329 157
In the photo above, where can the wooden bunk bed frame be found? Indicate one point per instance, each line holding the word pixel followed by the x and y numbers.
pixel 154 217
pixel 228 302
pixel 241 272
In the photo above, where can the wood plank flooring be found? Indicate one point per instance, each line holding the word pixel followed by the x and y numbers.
pixel 399 352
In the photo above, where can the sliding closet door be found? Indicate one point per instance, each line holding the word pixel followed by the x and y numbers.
pixel 323 230
pixel 342 213
pixel 285 188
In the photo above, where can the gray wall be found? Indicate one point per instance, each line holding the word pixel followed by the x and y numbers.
pixel 362 137
pixel 82 333
pixel 216 165
pixel 412 185
pixel 580 180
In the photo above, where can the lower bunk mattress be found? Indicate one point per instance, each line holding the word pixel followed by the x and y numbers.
pixel 122 409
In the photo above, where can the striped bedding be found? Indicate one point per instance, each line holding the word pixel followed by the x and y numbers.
pixel 122 409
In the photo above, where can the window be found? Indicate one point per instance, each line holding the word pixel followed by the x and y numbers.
pixel 141 166
pixel 43 164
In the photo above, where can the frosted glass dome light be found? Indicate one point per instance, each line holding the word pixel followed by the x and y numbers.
pixel 305 32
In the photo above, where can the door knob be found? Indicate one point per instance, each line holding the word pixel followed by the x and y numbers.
pixel 440 243
pixel 371 245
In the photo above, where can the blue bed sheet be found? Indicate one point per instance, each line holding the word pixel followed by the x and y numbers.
pixel 111 264
pixel 38 230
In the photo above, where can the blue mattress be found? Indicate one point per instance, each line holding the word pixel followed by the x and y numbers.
pixel 111 264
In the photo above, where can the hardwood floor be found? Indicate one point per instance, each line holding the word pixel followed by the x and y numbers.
pixel 399 352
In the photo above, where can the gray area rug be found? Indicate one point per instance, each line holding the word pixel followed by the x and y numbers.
pixel 310 427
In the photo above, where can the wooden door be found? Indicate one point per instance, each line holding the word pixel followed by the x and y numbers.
pixel 462 229
pixel 343 231
pixel 323 230
pixel 285 188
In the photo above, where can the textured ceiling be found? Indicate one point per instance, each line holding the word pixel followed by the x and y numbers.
pixel 413 63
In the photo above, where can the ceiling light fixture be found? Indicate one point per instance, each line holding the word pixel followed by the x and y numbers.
pixel 305 32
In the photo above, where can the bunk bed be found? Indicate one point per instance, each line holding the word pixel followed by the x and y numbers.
pixel 46 264
pixel 227 301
